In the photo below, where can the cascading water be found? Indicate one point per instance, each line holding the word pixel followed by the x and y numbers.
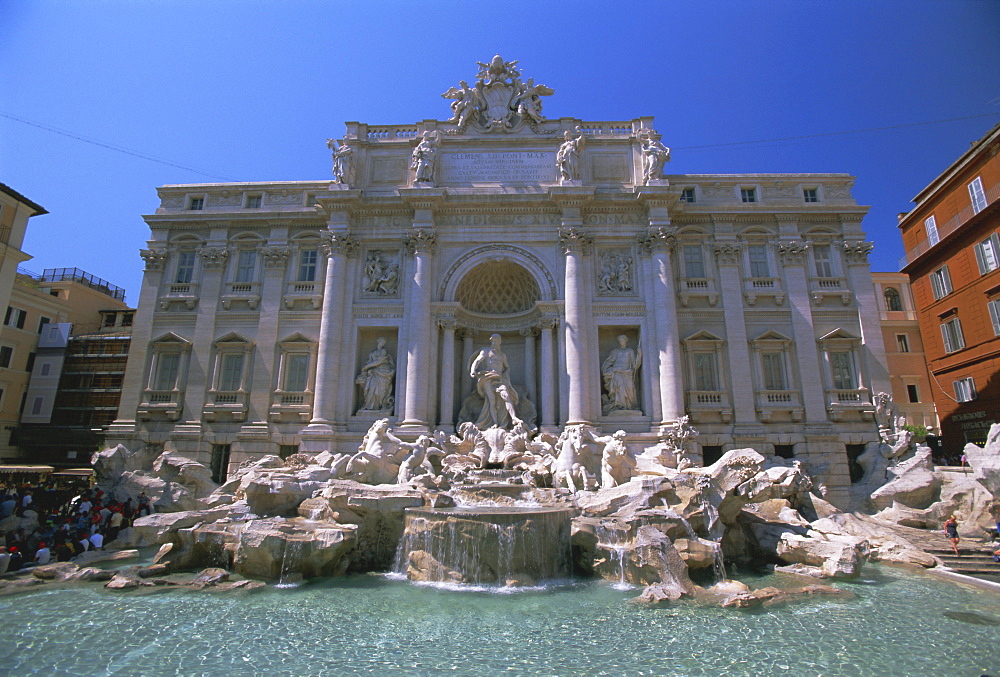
pixel 291 556
pixel 485 545
pixel 613 539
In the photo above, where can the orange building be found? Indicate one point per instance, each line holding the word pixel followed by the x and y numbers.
pixel 952 241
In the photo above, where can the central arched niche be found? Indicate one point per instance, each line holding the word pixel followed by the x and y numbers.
pixel 498 287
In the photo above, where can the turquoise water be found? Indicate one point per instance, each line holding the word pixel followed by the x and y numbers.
pixel 894 625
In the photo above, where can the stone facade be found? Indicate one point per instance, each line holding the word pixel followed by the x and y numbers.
pixel 746 300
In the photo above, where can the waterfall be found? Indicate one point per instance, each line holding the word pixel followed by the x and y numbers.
pixel 289 575
pixel 614 540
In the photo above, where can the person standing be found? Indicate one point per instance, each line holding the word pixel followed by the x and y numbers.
pixel 951 530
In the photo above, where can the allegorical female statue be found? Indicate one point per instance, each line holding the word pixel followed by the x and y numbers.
pixel 618 371
pixel 343 162
pixel 424 159
pixel 376 379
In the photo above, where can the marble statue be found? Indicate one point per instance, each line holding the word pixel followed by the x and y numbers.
pixel 618 371
pixel 376 379
pixel 568 468
pixel 491 372
pixel 424 159
pixel 381 274
pixel 617 463
pixel 417 463
pixel 379 456
pixel 528 103
pixel 465 451
pixel 466 102
pixel 654 156
pixel 568 156
pixel 343 162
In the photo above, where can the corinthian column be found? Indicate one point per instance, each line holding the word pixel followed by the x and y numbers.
pixel 660 241
pixel 336 247
pixel 447 416
pixel 420 243
pixel 548 379
pixel 575 244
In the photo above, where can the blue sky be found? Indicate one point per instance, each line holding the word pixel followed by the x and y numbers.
pixel 250 90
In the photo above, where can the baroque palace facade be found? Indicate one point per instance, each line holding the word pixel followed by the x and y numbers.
pixel 289 316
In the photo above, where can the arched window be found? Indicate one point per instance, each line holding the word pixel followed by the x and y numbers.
pixel 892 300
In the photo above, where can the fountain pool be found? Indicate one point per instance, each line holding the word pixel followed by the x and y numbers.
pixel 895 625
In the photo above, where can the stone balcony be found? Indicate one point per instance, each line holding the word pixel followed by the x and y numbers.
pixel 849 404
pixel 709 406
pixel 241 292
pixel 821 288
pixel 161 405
pixel 775 405
pixel 756 287
pixel 179 292
pixel 225 405
pixel 690 288
pixel 291 407
pixel 304 293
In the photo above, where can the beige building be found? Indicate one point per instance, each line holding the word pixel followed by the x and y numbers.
pixel 282 316
pixel 904 350
pixel 41 303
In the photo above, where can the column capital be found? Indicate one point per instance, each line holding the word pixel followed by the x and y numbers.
pixel 528 332
pixel 447 323
pixel 155 259
pixel 214 257
pixel 276 257
pixel 420 241
pixel 468 332
pixel 548 322
pixel 728 253
pixel 341 243
pixel 657 239
pixel 857 252
pixel 793 253
pixel 575 240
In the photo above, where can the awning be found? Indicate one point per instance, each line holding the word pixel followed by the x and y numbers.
pixel 75 472
pixel 26 468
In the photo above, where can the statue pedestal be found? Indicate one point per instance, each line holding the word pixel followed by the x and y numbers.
pixel 657 182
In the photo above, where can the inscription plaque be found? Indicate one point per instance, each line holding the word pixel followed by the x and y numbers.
pixel 526 167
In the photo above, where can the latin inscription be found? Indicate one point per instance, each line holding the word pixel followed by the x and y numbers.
pixel 498 167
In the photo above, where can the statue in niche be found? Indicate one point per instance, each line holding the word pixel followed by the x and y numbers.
pixel 618 371
pixel 424 159
pixel 381 274
pixel 616 273
pixel 654 156
pixel 376 379
pixel 343 162
pixel 568 156
pixel 491 371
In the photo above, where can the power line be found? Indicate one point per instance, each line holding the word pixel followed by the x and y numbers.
pixel 852 131
pixel 114 147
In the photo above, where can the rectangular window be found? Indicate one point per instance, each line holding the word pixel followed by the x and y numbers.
pixel 912 394
pixel 687 195
pixel 930 225
pixel 810 194
pixel 46 368
pixel 219 464
pixel 196 204
pixel 15 317
pixel 185 267
pixel 166 371
pixel 42 321
pixel 748 194
pixel 965 390
pixel 296 373
pixel 6 355
pixel 824 260
pixel 994 308
pixel 988 254
pixel 773 366
pixel 30 362
pixel 940 283
pixel 759 267
pixel 307 265
pixel 231 373
pixel 954 340
pixel 903 343
pixel 694 262
pixel 977 195
pixel 246 266
pixel 36 406
pixel 253 201
pixel 705 372
pixel 842 370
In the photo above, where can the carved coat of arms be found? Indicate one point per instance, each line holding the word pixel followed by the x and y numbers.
pixel 500 101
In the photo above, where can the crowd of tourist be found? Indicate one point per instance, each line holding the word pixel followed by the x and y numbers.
pixel 58 522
